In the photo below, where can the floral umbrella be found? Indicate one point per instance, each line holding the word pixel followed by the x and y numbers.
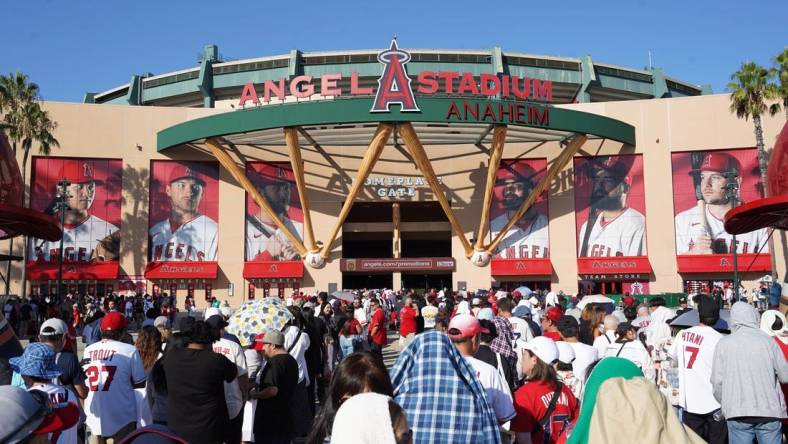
pixel 254 317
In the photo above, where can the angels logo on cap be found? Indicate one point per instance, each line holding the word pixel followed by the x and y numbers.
pixel 719 162
pixel 616 166
pixel 179 172
pixel 78 171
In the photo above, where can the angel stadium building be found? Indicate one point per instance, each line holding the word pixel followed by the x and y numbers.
pixel 398 168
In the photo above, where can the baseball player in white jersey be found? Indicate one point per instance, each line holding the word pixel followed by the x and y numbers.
pixel 700 229
pixel 82 232
pixel 528 238
pixel 616 229
pixel 113 369
pixel 692 352
pixel 264 240
pixel 186 235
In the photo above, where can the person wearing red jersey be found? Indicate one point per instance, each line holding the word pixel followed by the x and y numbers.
pixel 544 405
pixel 407 321
pixel 550 323
pixel 377 328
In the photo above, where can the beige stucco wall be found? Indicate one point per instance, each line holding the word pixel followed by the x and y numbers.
pixel 662 126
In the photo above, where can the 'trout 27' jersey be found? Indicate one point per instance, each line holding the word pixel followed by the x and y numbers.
pixel 259 233
pixel 526 242
pixel 623 236
pixel 689 226
pixel 193 241
pixel 79 241
pixel 693 350
pixel 111 368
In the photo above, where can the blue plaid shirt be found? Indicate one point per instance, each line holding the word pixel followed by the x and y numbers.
pixel 441 397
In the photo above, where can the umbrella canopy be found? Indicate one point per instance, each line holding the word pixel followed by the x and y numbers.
pixel 594 299
pixel 524 291
pixel 690 319
pixel 254 317
pixel 344 295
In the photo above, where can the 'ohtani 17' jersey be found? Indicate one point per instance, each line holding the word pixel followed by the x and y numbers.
pixel 193 241
pixel 623 236
pixel 79 241
pixel 531 241
pixel 689 226
pixel 258 234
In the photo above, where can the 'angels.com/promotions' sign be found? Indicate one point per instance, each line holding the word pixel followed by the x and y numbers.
pixel 395 87
pixel 90 212
pixel 402 264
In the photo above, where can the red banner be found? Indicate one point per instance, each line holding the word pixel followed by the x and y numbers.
pixel 521 267
pixel 273 269
pixel 722 263
pixel 181 270
pixel 402 264
pixel 42 271
pixel 614 265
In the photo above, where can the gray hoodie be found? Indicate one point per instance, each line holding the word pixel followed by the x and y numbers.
pixel 748 369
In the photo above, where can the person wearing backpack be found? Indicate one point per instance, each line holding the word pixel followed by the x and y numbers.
pixel 537 422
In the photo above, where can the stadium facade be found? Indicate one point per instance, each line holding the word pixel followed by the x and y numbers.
pixel 398 168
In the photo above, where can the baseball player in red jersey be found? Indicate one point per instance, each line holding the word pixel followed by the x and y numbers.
pixel 528 238
pixel 612 228
pixel 186 235
pixel 85 236
pixel 700 229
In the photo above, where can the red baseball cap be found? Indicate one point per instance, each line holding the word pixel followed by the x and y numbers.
pixel 465 326
pixel 517 171
pixel 554 314
pixel 78 171
pixel 258 341
pixel 113 321
pixel 720 162
pixel 63 417
pixel 180 171
pixel 617 166
pixel 628 301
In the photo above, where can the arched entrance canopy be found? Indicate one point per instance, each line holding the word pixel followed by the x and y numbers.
pixel 349 122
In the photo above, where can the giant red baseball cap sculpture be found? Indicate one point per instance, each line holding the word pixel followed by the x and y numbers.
pixel 15 219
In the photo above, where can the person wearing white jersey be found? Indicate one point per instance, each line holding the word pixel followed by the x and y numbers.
pixel 528 237
pixel 520 327
pixel 264 239
pixel 113 369
pixel 628 346
pixel 609 336
pixel 83 232
pixel 39 372
pixel 703 232
pixel 186 234
pixel 584 355
pixel 615 229
pixel 464 331
pixel 234 390
pixel 693 354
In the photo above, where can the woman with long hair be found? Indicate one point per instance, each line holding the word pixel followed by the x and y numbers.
pixel 149 403
pixel 149 346
pixel 596 324
pixel 359 372
pixel 537 421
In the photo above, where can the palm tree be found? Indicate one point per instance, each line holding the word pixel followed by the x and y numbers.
pixel 750 91
pixel 782 78
pixel 26 124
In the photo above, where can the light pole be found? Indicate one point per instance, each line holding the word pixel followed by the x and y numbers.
pixel 61 205
pixel 732 192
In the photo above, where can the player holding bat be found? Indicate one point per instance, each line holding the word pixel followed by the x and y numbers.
pixel 700 229
pixel 264 240
pixel 86 236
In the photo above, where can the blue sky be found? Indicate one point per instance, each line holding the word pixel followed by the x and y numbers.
pixel 71 47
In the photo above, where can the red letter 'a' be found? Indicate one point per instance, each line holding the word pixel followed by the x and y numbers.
pixel 394 83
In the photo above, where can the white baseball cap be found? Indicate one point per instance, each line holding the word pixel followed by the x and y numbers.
pixel 566 353
pixel 543 347
pixel 212 311
pixel 53 327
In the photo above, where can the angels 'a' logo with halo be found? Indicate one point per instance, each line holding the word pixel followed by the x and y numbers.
pixel 394 83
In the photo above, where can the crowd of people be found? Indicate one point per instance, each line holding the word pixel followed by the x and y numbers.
pixel 484 367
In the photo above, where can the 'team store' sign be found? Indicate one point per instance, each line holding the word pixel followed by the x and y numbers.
pixel 394 88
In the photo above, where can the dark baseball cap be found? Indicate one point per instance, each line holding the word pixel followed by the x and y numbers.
pixel 184 324
pixel 567 321
pixel 216 322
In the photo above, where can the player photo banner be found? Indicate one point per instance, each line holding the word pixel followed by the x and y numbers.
pixel 264 240
pixel 610 206
pixel 184 211
pixel 701 199
pixel 91 232
pixel 528 238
